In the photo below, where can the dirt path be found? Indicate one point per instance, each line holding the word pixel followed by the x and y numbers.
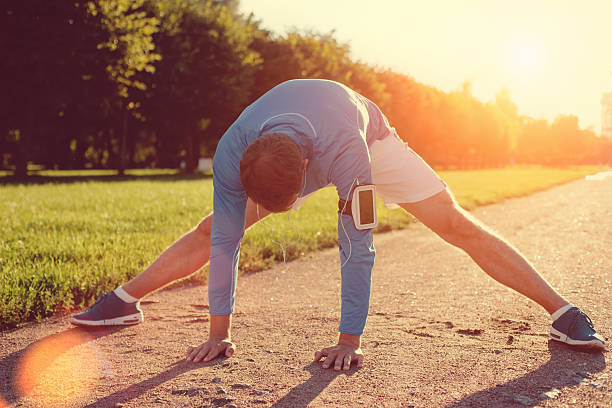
pixel 440 332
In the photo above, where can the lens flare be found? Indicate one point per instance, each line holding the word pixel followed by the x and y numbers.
pixel 60 369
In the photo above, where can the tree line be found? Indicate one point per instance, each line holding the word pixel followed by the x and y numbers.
pixel 153 83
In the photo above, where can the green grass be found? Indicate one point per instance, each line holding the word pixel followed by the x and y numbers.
pixel 63 242
pixel 478 187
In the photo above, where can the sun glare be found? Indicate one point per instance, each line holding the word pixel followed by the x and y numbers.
pixel 59 370
pixel 525 54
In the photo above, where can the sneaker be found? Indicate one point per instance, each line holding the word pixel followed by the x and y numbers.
pixel 109 310
pixel 575 328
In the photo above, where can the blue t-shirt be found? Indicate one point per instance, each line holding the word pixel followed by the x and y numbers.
pixel 334 126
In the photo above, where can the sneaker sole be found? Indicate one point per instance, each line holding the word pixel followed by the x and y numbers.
pixel 562 338
pixel 128 320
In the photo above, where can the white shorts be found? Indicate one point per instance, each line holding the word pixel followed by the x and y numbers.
pixel 400 175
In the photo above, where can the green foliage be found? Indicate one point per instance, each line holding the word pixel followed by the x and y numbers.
pixel 80 59
pixel 455 130
pixel 560 143
pixel 50 78
pixel 91 83
pixel 203 79
pixel 62 243
pixel 312 55
pixel 130 40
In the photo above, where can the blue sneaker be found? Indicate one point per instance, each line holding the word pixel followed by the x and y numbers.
pixel 575 328
pixel 109 310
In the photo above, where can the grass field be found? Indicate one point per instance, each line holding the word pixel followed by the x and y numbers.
pixel 62 242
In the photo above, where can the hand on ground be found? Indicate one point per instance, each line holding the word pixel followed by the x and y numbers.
pixel 341 356
pixel 211 349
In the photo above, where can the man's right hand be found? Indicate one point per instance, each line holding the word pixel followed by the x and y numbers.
pixel 210 349
pixel 219 341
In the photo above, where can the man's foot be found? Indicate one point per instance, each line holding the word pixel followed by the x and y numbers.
pixel 109 310
pixel 575 328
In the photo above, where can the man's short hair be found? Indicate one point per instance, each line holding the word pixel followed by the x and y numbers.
pixel 271 171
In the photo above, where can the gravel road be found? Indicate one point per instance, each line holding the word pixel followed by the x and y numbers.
pixel 440 332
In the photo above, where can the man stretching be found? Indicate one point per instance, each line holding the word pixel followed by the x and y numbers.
pixel 297 138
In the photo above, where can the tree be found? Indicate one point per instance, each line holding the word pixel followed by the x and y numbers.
pixel 312 55
pixel 66 57
pixel 533 143
pixel 203 79
pixel 130 47
pixel 42 75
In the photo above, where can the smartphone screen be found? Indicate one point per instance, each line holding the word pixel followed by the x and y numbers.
pixel 366 207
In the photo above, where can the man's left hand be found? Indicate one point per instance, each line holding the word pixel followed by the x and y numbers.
pixel 341 356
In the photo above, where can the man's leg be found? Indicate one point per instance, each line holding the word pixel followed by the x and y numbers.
pixel 506 265
pixel 181 259
pixel 402 176
pixel 184 257
pixel 495 256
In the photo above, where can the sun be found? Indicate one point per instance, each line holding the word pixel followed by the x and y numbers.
pixel 525 54
pixel 527 57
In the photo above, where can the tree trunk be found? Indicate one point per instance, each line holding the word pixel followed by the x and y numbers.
pixel 21 156
pixel 131 149
pixel 21 161
pixel 123 146
pixel 193 152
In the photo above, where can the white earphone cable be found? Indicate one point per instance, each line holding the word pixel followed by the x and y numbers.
pixel 342 223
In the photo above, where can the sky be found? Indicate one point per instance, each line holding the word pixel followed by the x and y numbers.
pixel 555 57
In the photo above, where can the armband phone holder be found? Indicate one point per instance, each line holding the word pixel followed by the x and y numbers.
pixel 363 207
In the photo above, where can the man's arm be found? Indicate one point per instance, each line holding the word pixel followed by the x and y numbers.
pixel 228 224
pixel 357 260
pixel 356 257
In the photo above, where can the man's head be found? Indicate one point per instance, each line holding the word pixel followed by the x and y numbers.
pixel 272 171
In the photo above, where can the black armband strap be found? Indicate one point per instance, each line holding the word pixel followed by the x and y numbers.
pixel 346 205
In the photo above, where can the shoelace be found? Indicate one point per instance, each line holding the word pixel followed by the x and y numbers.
pixel 587 319
pixel 100 298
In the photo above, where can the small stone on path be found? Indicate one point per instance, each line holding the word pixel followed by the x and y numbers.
pixel 521 399
pixel 552 394
pixel 240 386
pixel 564 372
pixel 219 402
pixel 259 392
pixel 216 380
pixel 470 332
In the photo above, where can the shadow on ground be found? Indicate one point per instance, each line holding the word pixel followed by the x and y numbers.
pixel 135 390
pixel 567 368
pixel 302 395
pixel 35 179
